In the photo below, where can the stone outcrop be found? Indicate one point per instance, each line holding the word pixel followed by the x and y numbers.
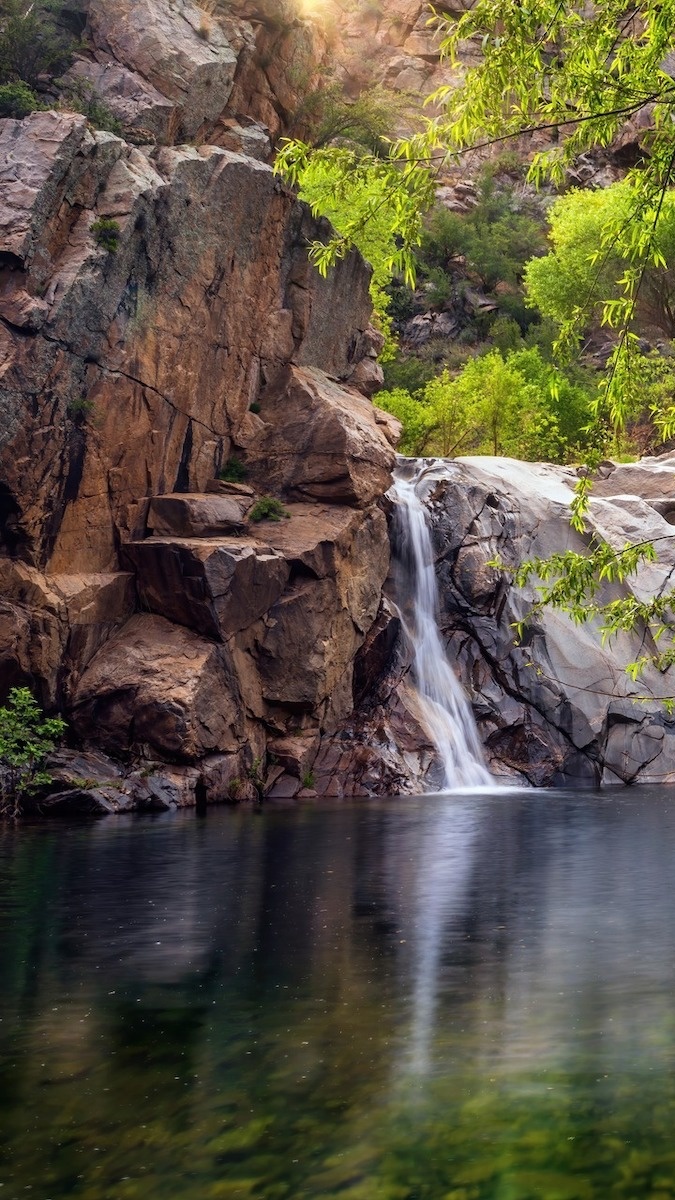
pixel 227 73
pixel 559 709
pixel 141 594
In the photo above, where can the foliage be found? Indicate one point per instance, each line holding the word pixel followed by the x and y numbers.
pixel 516 404
pixel 416 417
pixel 366 120
pixel 574 583
pixel 268 508
pixel 107 233
pixel 494 238
pixel 234 470
pixel 31 44
pixel 546 66
pixel 577 281
pixel 551 65
pixel 373 204
pixel 81 97
pixel 26 738
pixel 17 100
pixel 80 407
pixel 410 372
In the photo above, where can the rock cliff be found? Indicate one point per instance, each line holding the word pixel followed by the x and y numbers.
pixel 139 592
pixel 559 709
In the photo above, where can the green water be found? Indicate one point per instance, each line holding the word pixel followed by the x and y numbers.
pixel 467 998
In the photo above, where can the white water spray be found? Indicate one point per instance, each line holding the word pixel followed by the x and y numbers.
pixel 444 709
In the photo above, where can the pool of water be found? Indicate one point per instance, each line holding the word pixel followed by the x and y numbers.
pixel 443 998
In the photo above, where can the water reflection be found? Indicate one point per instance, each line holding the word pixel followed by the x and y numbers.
pixel 463 997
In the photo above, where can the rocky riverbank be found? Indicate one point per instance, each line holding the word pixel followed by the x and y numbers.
pixel 560 709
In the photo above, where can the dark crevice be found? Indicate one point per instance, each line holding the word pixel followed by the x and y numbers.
pixel 14 541
pixel 182 483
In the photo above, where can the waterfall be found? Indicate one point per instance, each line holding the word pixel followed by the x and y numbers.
pixel 444 709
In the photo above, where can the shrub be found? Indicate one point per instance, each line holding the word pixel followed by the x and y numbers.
pixel 268 508
pixel 81 97
pixel 107 233
pixel 31 45
pixel 234 471
pixel 26 738
pixel 584 269
pixel 17 100
pixel 516 404
pixel 80 406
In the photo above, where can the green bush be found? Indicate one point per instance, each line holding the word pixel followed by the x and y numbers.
pixel 268 508
pixel 234 471
pixel 81 97
pixel 26 738
pixel 17 100
pixel 493 241
pixel 31 44
pixel 80 407
pixel 515 404
pixel 585 271
pixel 107 233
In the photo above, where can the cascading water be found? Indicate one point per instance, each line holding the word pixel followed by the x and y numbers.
pixel 444 709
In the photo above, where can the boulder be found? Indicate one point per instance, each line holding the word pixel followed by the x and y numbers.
pixel 159 686
pixel 131 99
pixel 320 441
pixel 178 49
pixel 197 516
pixel 214 587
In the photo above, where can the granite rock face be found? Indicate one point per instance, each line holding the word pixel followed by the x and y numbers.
pixel 559 709
pixel 130 377
pixel 179 71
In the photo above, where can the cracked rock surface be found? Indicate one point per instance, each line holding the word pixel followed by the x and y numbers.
pixel 177 628
pixel 560 709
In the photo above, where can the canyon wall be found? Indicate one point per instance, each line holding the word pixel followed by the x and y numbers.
pixel 138 594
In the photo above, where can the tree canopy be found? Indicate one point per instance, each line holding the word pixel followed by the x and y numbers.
pixel 560 77
pixel 568 78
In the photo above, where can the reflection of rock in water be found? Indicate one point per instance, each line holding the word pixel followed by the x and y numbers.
pixel 429 976
pixel 444 710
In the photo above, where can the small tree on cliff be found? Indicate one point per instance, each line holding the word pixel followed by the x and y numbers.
pixel 26 738
pixel 31 44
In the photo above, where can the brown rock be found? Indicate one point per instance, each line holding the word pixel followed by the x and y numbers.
pixel 197 516
pixel 160 686
pixel 295 754
pixel 214 587
pixel 163 44
pixel 284 788
pixel 321 442
pixel 168 337
pixel 130 98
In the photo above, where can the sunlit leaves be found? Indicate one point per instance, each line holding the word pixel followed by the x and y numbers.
pixel 368 199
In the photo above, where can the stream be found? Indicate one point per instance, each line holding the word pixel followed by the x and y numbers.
pixel 436 998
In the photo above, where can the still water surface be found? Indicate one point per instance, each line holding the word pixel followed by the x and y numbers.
pixel 443 998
